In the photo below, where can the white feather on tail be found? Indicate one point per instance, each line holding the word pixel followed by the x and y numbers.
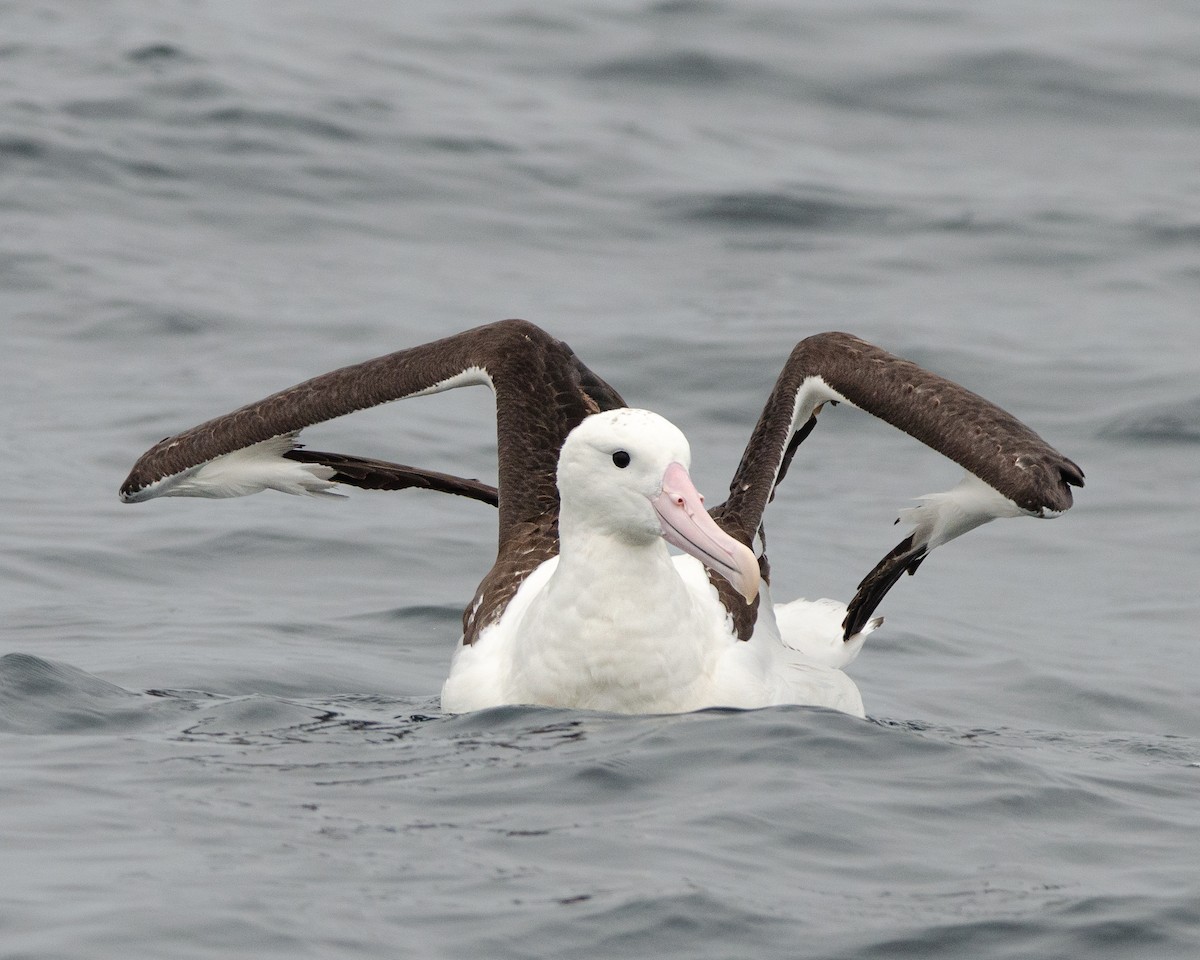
pixel 813 628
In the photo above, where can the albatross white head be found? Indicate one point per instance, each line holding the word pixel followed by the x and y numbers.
pixel 623 475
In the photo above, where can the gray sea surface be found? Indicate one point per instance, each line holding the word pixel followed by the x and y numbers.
pixel 219 727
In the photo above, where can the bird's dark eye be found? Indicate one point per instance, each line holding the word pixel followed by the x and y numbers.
pixel 621 459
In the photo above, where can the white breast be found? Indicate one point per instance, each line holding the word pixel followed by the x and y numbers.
pixel 670 657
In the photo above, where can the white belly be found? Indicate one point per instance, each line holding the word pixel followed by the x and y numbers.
pixel 558 644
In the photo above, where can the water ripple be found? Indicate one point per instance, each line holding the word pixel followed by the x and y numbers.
pixel 677 68
pixel 1157 423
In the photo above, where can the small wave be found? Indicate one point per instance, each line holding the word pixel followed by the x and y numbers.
pixel 68 161
pixel 120 319
pixel 105 108
pixel 684 8
pixel 683 912
pixel 22 148
pixel 1160 423
pixel 454 144
pixel 679 67
pixel 264 720
pixel 416 613
pixel 811 211
pixel 282 121
pixel 155 53
pixel 1020 81
pixel 42 696
pixel 1168 234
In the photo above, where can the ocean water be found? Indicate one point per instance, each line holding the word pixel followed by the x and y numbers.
pixel 219 727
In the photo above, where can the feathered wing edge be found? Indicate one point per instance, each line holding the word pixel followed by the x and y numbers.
pixel 542 391
pixel 370 474
pixel 1012 471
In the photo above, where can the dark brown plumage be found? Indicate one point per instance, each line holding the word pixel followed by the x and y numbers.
pixel 543 391
pixel 370 474
pixel 963 426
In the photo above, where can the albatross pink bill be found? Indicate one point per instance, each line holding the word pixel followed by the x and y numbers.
pixel 687 525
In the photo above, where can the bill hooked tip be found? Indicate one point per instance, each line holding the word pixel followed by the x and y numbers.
pixel 688 526
pixel 747 576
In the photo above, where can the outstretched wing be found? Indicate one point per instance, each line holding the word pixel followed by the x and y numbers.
pixel 1013 470
pixel 542 391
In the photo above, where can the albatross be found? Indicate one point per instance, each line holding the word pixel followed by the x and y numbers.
pixel 585 607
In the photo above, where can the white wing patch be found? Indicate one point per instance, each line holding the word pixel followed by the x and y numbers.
pixel 813 392
pixel 252 469
pixel 813 628
pixel 471 377
pixel 811 395
pixel 940 517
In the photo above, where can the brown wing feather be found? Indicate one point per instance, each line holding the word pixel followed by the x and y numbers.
pixel 370 474
pixel 903 558
pixel 960 424
pixel 972 431
pixel 542 392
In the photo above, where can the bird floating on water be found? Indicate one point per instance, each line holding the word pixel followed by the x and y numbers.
pixel 584 606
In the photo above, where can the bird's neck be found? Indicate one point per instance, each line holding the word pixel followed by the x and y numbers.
pixel 623 573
